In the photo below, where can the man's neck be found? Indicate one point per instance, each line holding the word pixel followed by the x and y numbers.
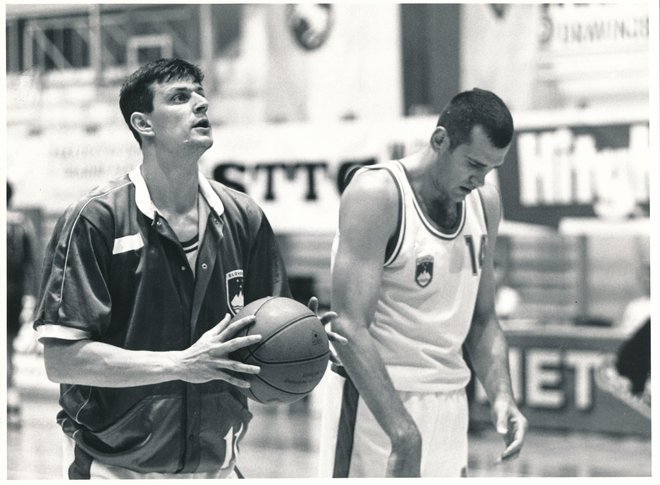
pixel 435 204
pixel 418 167
pixel 172 184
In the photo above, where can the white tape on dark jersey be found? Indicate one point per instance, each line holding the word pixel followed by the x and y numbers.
pixel 127 243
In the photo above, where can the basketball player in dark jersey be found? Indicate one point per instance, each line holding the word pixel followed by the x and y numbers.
pixel 141 279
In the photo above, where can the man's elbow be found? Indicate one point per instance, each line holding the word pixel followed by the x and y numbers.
pixel 55 360
pixel 54 375
pixel 54 372
pixel 347 328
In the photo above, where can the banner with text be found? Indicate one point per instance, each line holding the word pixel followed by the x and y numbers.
pixel 576 166
pixel 556 374
pixel 559 166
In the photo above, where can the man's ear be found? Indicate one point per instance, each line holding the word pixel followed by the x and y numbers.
pixel 141 123
pixel 439 138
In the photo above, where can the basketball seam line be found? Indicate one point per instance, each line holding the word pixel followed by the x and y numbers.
pixel 308 359
pixel 280 330
pixel 287 391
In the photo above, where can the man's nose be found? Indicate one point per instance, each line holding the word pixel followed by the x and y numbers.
pixel 201 104
pixel 478 180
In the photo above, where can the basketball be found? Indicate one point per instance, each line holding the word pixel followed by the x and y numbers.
pixel 293 353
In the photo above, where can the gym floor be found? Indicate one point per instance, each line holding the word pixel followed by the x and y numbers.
pixel 283 441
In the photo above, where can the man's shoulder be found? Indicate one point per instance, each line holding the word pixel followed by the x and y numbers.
pixel 103 200
pixel 371 206
pixel 490 194
pixel 377 183
pixel 491 201
pixel 235 202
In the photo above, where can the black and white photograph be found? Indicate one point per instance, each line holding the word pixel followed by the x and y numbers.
pixel 330 240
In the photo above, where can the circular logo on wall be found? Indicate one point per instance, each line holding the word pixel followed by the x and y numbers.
pixel 547 30
pixel 309 23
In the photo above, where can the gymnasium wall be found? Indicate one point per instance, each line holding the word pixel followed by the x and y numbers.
pixel 290 120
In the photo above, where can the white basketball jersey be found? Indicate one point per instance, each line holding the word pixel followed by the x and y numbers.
pixel 428 293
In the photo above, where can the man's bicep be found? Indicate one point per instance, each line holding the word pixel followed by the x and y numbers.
pixel 355 284
pixel 484 311
pixel 363 237
pixel 487 286
pixel 75 294
pixel 484 308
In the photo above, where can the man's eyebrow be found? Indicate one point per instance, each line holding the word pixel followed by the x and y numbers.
pixel 176 89
pixel 482 165
pixel 185 89
pixel 475 161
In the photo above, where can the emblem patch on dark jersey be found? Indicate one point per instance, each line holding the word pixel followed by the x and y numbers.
pixel 424 270
pixel 234 285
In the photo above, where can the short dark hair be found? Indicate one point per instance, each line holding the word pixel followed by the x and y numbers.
pixel 10 192
pixel 136 93
pixel 477 107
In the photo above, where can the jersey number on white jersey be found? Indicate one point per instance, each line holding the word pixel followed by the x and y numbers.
pixel 477 262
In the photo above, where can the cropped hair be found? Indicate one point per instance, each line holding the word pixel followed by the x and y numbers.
pixel 477 107
pixel 136 93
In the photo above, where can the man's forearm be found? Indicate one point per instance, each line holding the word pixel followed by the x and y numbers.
pixel 367 371
pixel 91 363
pixel 489 354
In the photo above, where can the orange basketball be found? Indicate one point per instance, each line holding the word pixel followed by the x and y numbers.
pixel 293 353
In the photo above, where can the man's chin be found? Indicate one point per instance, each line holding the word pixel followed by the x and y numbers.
pixel 205 143
pixel 462 193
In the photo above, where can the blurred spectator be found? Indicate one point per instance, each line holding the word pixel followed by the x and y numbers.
pixel 627 374
pixel 633 360
pixel 638 310
pixel 507 299
pixel 21 291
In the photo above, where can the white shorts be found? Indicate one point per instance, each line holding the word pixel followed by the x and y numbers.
pixel 353 445
pixel 101 471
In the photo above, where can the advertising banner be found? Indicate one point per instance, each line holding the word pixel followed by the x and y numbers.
pixel 574 166
pixel 294 171
pixel 568 54
pixel 559 165
pixel 553 373
pixel 54 168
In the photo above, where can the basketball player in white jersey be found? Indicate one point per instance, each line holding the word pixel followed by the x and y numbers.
pixel 412 284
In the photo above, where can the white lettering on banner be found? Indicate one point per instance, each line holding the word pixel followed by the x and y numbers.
pixel 560 167
pixel 542 386
pixel 584 362
pixel 543 378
